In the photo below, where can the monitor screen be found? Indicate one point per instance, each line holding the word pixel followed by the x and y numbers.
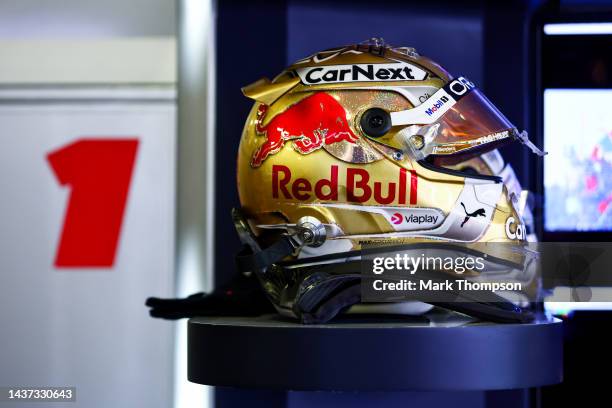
pixel 574 120
pixel 578 168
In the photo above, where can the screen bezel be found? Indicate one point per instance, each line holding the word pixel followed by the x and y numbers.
pixel 537 121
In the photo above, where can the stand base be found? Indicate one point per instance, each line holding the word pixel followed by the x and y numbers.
pixel 437 352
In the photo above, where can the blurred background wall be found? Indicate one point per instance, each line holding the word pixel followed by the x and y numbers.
pixel 38 19
pixel 94 85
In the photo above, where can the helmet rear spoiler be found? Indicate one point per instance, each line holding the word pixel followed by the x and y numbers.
pixel 267 92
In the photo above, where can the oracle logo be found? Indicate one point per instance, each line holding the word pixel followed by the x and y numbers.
pixel 359 187
pixel 460 86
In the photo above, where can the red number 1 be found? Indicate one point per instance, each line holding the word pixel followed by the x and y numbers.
pixel 99 172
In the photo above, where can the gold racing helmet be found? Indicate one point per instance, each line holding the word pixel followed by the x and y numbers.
pixel 368 146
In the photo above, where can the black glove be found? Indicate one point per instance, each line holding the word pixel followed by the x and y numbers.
pixel 241 297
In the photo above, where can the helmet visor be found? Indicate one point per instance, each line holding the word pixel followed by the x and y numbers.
pixel 472 122
pixel 456 119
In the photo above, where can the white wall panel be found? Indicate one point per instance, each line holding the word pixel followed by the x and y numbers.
pixel 86 327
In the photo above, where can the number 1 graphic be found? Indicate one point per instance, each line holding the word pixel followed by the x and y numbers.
pixel 99 172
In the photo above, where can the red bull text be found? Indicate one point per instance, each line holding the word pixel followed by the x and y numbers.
pixel 359 188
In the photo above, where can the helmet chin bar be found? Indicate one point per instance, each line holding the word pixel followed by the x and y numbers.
pixel 324 288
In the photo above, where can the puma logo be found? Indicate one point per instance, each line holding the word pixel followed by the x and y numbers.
pixel 478 213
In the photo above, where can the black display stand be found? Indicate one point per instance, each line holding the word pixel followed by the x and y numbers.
pixel 440 352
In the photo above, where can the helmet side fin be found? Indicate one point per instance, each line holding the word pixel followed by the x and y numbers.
pixel 267 92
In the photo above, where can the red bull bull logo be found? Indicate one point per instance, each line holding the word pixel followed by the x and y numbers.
pixel 314 121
